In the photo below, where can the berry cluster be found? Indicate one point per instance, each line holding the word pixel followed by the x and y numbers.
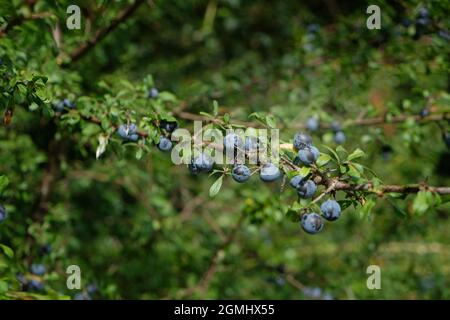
pixel 128 132
pixel 313 124
pixel 312 222
pixel 64 105
pixel 3 213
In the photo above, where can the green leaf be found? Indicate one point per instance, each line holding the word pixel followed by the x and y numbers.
pixel 206 114
pixel 215 188
pixel 340 150
pixel 102 143
pixel 323 159
pixel 335 155
pixel 345 203
pixel 304 171
pixel 399 211
pixel 4 181
pixel 423 201
pixel 292 215
pixel 353 172
pixel 139 153
pixel 366 209
pixel 215 108
pixel 270 120
pixel 226 118
pixel 358 153
pixel 7 250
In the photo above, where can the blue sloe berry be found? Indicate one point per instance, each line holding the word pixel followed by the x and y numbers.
pixel 331 210
pixel 306 189
pixel 336 126
pixel 302 140
pixel 153 93
pixel 295 181
pixel 128 132
pixel 169 126
pixel 308 155
pixel 312 223
pixel 386 151
pixel 312 124
pixel 424 112
pixel 251 144
pixel 69 104
pixel 164 144
pixel 447 139
pixel 241 173
pixel 339 137
pixel 37 269
pixel 82 296
pixel 46 249
pixel 444 34
pixel 406 22
pixel 423 13
pixel 201 163
pixel 35 285
pixel 232 141
pixel 313 28
pixel 92 288
pixel 59 106
pixel 3 213
pixel 269 172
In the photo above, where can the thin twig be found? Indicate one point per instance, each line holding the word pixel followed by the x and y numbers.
pixel 85 47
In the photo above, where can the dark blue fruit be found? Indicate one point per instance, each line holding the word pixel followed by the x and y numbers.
pixel 295 181
pixel 386 151
pixel 169 126
pixel 312 223
pixel 201 163
pixel 128 132
pixel 308 155
pixel 444 34
pixel 251 144
pixel 423 13
pixel 153 93
pixel 331 210
pixel 336 126
pixel 37 269
pixel 312 124
pixel 91 288
pixel 424 112
pixel 406 22
pixel 3 214
pixel 232 141
pixel 306 189
pixel 164 144
pixel 59 106
pixel 22 280
pixel 241 173
pixel 313 28
pixel 269 172
pixel 82 296
pixel 447 139
pixel 35 285
pixel 302 140
pixel 46 249
pixel 422 22
pixel 69 104
pixel 339 137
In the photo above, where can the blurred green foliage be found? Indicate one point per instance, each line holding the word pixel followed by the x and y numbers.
pixel 140 227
